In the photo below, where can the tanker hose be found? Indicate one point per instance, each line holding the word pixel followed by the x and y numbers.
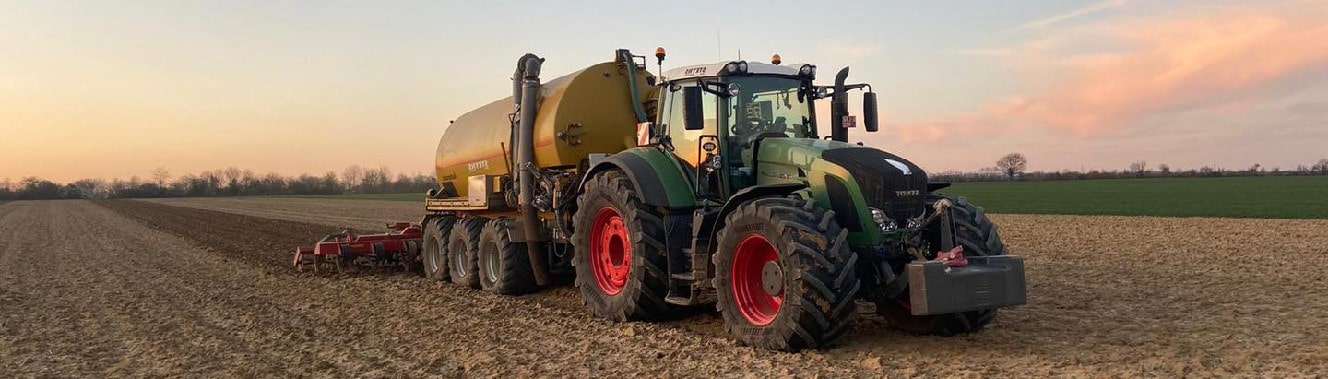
pixel 527 95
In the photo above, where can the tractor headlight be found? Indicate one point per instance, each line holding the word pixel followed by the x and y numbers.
pixel 878 216
pixel 807 70
pixel 885 223
pixel 738 67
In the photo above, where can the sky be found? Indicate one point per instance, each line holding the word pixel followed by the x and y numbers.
pixel 113 89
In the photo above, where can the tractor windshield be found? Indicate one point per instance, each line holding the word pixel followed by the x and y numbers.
pixel 769 104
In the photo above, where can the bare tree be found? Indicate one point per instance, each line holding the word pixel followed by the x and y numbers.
pixel 1322 166
pixel 330 182
pixel 232 175
pixel 352 175
pixel 1012 164
pixel 91 188
pixel 376 180
pixel 1164 168
pixel 1139 168
pixel 161 176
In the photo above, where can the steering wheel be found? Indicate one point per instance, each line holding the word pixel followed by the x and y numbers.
pixel 754 126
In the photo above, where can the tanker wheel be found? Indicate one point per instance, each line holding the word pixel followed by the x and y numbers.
pixel 434 256
pixel 504 265
pixel 785 277
pixel 462 246
pixel 979 237
pixel 620 256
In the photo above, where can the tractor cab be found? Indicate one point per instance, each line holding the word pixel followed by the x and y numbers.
pixel 714 116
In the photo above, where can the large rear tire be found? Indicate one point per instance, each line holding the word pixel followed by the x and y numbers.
pixel 462 246
pixel 504 265
pixel 434 255
pixel 620 256
pixel 979 237
pixel 785 277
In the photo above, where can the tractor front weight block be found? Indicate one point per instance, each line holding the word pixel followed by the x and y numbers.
pixel 986 282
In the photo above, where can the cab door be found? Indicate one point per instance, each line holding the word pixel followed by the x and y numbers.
pixel 689 145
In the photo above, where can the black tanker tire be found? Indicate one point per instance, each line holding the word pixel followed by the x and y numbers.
pixel 820 278
pixel 464 241
pixel 979 237
pixel 642 297
pixel 433 255
pixel 508 261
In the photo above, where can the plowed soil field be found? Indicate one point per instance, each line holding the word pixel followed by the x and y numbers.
pixel 201 287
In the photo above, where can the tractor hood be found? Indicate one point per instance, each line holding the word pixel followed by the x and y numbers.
pixel 853 177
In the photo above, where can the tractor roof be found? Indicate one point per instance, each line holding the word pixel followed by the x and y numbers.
pixel 713 69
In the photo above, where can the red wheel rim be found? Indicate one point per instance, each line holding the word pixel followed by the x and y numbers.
pixel 757 280
pixel 610 251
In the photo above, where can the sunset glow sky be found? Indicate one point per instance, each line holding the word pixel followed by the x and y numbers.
pixel 105 89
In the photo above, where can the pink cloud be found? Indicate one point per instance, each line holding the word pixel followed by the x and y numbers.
pixel 1107 76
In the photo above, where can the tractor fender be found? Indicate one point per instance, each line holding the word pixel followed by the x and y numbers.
pixel 658 180
pixel 749 193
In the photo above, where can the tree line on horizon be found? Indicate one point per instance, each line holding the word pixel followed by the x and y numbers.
pixel 231 181
pixel 1014 166
pixel 355 179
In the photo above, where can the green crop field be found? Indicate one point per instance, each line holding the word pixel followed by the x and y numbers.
pixel 1243 197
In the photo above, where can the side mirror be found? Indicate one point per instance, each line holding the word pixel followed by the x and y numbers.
pixel 869 112
pixel 693 115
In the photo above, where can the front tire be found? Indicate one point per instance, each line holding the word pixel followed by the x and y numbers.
pixel 978 235
pixel 620 256
pixel 504 265
pixel 785 277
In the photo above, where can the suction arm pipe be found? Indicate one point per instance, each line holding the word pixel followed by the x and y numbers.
pixel 625 57
pixel 525 87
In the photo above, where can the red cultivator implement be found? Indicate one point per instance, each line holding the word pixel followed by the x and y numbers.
pixel 400 246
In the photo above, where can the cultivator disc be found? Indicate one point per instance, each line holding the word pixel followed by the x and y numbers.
pixel 338 253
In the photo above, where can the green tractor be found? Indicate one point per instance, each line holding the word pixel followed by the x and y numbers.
pixel 733 198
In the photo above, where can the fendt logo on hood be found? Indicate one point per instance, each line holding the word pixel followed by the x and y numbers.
pixel 908 193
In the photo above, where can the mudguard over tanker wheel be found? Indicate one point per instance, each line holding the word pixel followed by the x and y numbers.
pixel 462 251
pixel 979 237
pixel 785 277
pixel 434 254
pixel 504 265
pixel 620 256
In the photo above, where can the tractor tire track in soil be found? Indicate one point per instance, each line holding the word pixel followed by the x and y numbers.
pixel 139 288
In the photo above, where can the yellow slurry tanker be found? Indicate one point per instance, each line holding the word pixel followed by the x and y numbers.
pixel 708 184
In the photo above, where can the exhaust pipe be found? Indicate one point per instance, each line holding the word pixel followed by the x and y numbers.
pixel 839 108
pixel 525 88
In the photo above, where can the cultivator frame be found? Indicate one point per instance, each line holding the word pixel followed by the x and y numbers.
pixel 400 246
